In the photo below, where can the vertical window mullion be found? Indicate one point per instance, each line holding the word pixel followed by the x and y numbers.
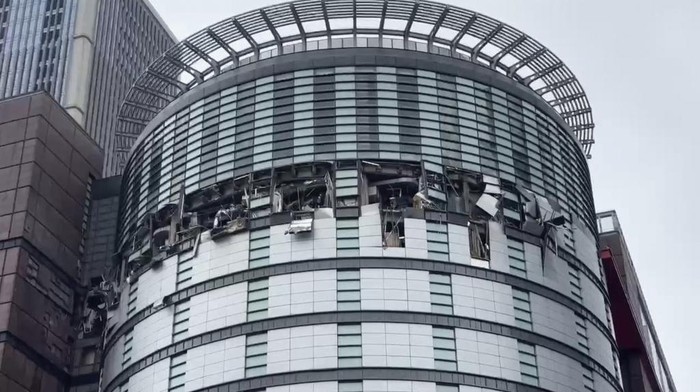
pixel 128 340
pixel 181 319
pixel 438 241
pixel 176 380
pixel 575 283
pixel 259 250
pixel 349 345
pixel 581 332
pixel 184 271
pixel 133 295
pixel 256 355
pixel 440 293
pixel 257 299
pixel 588 379
pixel 516 257
pixel 348 237
pixel 348 287
pixel 522 309
pixel 444 349
pixel 528 363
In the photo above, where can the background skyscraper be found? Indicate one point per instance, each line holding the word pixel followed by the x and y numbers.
pixel 85 53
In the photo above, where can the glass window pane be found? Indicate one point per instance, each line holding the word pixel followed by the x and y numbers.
pixel 349 362
pixel 257 284
pixel 350 351
pixel 349 340
pixel 349 285
pixel 348 296
pixel 257 305
pixel 346 329
pixel 345 275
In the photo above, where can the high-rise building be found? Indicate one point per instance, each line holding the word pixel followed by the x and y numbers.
pixel 359 195
pixel 86 54
pixel 642 361
pixel 48 169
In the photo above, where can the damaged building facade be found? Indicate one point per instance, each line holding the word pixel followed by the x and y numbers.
pixel 358 196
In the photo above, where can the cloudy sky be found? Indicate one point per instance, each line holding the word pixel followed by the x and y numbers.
pixel 635 59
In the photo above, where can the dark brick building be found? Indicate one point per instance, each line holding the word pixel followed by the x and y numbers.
pixel 47 167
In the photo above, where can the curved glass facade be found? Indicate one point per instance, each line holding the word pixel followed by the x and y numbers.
pixel 357 112
pixel 360 220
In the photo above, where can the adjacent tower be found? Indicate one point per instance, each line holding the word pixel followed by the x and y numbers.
pixel 86 54
pixel 49 168
pixel 642 361
pixel 359 196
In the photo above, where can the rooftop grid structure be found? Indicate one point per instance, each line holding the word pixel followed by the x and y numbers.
pixel 400 24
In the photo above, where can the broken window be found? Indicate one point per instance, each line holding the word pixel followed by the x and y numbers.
pixel 347 184
pixel 541 217
pixel 435 188
pixel 142 239
pixel 539 212
pixel 102 297
pixel 479 240
pixel 394 187
pixel 302 222
pixel 256 195
pixel 488 201
pixel 460 185
pixel 512 205
pixel 302 188
pixel 229 220
pixel 139 250
pixel 473 194
pixel 221 208
pixel 164 229
pixel 391 185
pixel 393 235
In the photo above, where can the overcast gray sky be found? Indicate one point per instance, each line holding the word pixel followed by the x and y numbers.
pixel 637 61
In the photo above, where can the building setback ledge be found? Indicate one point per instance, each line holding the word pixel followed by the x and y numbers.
pixel 362 262
pixel 398 374
pixel 448 321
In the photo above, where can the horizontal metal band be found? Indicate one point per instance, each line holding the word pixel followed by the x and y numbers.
pixel 360 317
pixel 356 374
pixel 364 262
pixel 439 216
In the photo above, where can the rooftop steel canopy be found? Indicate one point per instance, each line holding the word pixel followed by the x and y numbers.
pixel 306 25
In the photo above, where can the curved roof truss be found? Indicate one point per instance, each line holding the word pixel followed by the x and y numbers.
pixel 306 25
